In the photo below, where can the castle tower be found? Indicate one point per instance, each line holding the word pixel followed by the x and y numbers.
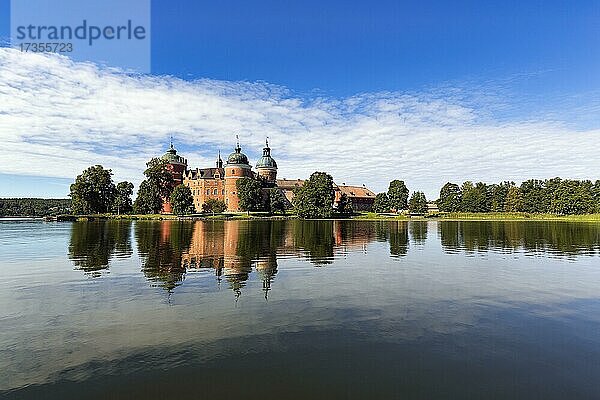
pixel 177 166
pixel 219 160
pixel 266 165
pixel 237 167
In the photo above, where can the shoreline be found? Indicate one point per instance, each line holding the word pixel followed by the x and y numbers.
pixel 454 217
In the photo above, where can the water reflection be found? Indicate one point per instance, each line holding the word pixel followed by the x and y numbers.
pixel 233 249
pixel 386 304
pixel 418 231
pixel 94 244
pixel 534 237
pixel 161 247
pixel 394 232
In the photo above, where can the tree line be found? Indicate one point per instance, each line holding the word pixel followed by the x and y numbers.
pixel 95 192
pixel 396 199
pixel 550 196
pixel 32 207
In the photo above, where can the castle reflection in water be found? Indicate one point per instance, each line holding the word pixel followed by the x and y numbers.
pixel 234 250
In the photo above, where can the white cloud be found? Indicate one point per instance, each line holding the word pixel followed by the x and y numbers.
pixel 58 117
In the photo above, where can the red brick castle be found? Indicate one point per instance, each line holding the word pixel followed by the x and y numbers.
pixel 219 182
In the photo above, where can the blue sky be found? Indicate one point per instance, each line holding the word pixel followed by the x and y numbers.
pixel 526 67
pixel 345 47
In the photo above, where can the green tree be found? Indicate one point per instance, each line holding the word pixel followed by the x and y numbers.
pixel 551 188
pixel 474 198
pixel 160 177
pixel 277 201
pixel 381 203
pixel 514 200
pixel 314 199
pixel 181 200
pixel 122 202
pixel 215 206
pixel 572 197
pixel 535 199
pixel 250 194
pixel 417 203
pixel 496 196
pixel 148 200
pixel 157 186
pixel 344 205
pixel 450 198
pixel 93 191
pixel 596 195
pixel 398 195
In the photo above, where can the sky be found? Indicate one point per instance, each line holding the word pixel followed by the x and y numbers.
pixel 427 92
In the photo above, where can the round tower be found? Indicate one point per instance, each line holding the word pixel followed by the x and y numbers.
pixel 177 166
pixel 266 165
pixel 237 167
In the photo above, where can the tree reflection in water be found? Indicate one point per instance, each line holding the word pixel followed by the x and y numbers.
pixel 161 247
pixel 558 238
pixel 396 234
pixel 315 239
pixel 93 244
pixel 233 249
pixel 418 231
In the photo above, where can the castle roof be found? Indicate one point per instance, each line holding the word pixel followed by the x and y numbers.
pixel 237 157
pixel 289 184
pixel 266 161
pixel 356 191
pixel 205 173
pixel 171 156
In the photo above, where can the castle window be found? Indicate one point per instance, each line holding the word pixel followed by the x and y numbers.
pixel 215 191
pixel 223 191
pixel 207 191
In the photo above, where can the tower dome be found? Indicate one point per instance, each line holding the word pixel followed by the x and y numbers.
pixel 237 157
pixel 266 166
pixel 171 156
pixel 266 161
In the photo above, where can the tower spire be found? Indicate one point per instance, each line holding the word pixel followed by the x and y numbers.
pixel 171 141
pixel 219 160
pixel 267 149
pixel 238 149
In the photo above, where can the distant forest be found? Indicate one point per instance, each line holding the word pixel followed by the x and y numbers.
pixel 33 207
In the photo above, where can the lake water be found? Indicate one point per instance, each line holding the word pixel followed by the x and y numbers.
pixel 300 310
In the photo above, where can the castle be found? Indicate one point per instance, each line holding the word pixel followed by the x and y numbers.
pixel 219 182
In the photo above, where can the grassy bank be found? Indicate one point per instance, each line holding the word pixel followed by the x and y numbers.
pixel 365 216
pixel 371 216
pixel 481 217
pixel 162 217
pixel 518 217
